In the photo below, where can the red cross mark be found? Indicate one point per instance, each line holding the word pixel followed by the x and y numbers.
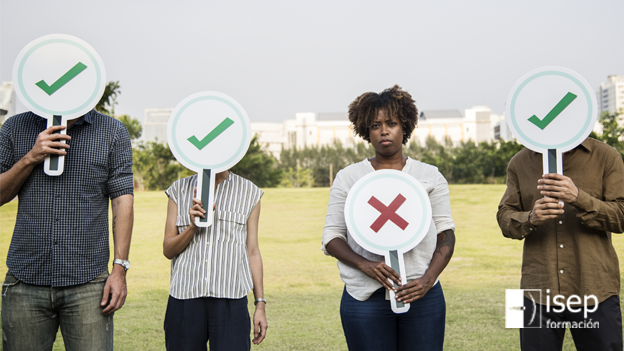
pixel 388 213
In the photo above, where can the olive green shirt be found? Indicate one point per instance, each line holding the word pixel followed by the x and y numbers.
pixel 573 253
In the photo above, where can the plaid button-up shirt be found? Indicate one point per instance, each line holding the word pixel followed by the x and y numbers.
pixel 61 232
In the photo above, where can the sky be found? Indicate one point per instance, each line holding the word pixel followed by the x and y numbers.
pixel 277 58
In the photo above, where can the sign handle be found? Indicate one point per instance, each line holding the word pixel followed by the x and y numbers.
pixel 54 164
pixel 395 261
pixel 553 163
pixel 205 189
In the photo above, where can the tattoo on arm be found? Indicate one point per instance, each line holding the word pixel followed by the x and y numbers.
pixel 448 241
pixel 114 217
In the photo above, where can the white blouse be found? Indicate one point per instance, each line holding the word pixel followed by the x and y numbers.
pixel 215 262
pixel 417 260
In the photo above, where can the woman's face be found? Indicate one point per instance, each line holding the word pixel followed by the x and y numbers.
pixel 386 134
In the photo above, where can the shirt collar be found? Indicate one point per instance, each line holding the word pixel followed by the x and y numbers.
pixel 586 144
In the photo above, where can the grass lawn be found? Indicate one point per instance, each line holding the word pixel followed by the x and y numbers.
pixel 303 286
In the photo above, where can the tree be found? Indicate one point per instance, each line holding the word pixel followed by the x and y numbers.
pixel 107 102
pixel 258 166
pixel 612 131
pixel 132 125
pixel 154 166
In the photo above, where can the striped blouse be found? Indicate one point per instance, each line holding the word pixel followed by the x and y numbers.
pixel 215 262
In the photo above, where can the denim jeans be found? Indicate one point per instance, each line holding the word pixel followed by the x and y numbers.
pixel 371 324
pixel 32 314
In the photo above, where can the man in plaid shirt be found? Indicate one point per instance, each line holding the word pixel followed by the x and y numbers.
pixel 59 253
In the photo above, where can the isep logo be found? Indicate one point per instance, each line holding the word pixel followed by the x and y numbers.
pixel 521 312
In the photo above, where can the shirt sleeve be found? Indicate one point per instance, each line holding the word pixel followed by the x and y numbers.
pixel 335 225
pixel 606 214
pixel 120 180
pixel 6 147
pixel 441 205
pixel 512 218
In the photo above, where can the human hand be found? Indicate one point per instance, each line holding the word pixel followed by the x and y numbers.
pixel 545 208
pixel 381 272
pixel 558 186
pixel 115 288
pixel 260 323
pixel 197 210
pixel 414 290
pixel 48 143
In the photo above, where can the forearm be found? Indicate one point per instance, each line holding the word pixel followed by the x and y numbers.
pixel 12 180
pixel 174 245
pixel 257 273
pixel 123 220
pixel 339 249
pixel 445 247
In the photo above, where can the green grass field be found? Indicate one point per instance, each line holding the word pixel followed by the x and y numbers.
pixel 303 286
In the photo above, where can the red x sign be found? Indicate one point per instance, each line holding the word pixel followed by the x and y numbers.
pixel 388 213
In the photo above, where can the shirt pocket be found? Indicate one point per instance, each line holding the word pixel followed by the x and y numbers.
pixel 231 227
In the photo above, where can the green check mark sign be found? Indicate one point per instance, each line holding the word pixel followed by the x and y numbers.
pixel 200 144
pixel 69 75
pixel 563 103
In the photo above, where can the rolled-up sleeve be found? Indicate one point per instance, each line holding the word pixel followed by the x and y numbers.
pixel 335 225
pixel 441 205
pixel 120 180
pixel 6 147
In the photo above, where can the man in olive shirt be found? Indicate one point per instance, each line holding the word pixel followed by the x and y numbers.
pixel 567 247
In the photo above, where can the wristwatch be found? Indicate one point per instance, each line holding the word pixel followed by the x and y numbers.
pixel 259 300
pixel 124 263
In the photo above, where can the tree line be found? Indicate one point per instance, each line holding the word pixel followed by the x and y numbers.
pixel 155 168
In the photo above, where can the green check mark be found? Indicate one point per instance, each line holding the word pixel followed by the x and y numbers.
pixel 200 144
pixel 561 105
pixel 71 74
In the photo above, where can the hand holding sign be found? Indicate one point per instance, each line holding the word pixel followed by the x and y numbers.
pixel 208 132
pixel 58 77
pixel 388 213
pixel 569 110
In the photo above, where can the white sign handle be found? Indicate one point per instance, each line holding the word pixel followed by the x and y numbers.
pixel 205 192
pixel 394 259
pixel 553 163
pixel 55 164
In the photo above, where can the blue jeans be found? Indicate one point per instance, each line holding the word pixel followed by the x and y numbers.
pixel 371 324
pixel 32 314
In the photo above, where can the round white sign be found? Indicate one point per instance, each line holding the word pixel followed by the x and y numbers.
pixel 59 75
pixel 208 130
pixel 388 210
pixel 551 108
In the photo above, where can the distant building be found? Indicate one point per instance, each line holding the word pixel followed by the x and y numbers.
pixel 610 95
pixel 477 124
pixel 7 101
pixel 155 124
pixel 308 129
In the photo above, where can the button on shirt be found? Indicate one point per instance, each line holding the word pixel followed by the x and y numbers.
pixel 573 253
pixel 61 230
pixel 215 262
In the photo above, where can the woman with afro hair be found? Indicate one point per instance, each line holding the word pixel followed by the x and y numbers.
pixel 387 121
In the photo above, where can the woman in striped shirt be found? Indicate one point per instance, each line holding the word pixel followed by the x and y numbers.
pixel 213 269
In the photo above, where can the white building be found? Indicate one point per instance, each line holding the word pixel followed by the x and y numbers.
pixel 477 124
pixel 610 95
pixel 7 101
pixel 155 124
pixel 307 129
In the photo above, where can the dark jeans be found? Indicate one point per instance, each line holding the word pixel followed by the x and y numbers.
pixel 606 336
pixel 189 324
pixel 32 314
pixel 371 324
